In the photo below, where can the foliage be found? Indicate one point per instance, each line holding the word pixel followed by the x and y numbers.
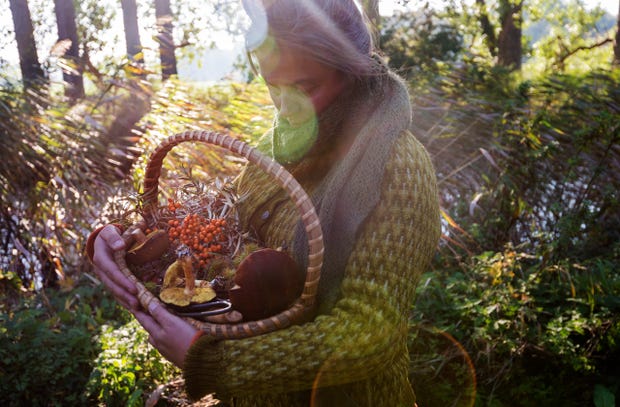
pixel 533 161
pixel 556 35
pixel 560 31
pixel 420 41
pixel 46 344
pixel 53 172
pixel 101 44
pixel 126 368
pixel 241 110
pixel 521 322
pixel 526 277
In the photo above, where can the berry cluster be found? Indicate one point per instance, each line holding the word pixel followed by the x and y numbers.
pixel 204 237
pixel 173 205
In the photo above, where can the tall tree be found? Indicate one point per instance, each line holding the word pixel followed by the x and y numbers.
pixel 488 30
pixel 24 36
pixel 509 50
pixel 163 14
pixel 506 46
pixel 67 30
pixel 132 33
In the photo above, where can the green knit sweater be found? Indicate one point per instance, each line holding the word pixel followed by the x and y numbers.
pixel 354 353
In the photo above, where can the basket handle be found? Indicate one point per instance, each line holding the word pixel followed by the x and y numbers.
pixel 305 304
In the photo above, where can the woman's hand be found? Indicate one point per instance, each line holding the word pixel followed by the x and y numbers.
pixel 108 241
pixel 171 335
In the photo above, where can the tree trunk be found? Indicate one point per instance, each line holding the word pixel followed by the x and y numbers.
pixel 123 133
pixel 616 62
pixel 509 50
pixel 163 13
pixel 26 47
pixel 132 33
pixel 67 30
pixel 487 28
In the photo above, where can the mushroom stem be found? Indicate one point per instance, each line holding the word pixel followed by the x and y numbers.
pixel 188 270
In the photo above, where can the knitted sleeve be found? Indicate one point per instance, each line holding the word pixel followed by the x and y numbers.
pixel 365 331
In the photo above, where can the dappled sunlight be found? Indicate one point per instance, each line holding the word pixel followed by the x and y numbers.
pixel 521 304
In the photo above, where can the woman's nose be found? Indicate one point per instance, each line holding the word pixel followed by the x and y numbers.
pixel 288 103
pixel 295 106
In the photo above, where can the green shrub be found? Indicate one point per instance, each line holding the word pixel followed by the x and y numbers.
pixel 127 368
pixel 47 345
pixel 527 329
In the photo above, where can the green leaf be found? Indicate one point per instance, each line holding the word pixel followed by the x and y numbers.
pixel 603 397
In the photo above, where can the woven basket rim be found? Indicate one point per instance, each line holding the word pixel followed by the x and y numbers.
pixel 304 305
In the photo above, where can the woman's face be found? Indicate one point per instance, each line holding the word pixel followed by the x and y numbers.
pixel 300 87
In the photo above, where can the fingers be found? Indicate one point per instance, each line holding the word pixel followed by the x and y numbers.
pixel 123 296
pixel 162 315
pixel 123 289
pixel 147 321
pixel 112 237
pixel 168 333
pixel 157 318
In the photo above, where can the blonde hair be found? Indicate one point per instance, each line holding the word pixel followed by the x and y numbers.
pixel 333 32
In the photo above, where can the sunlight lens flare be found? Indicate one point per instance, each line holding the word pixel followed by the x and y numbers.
pixel 257 33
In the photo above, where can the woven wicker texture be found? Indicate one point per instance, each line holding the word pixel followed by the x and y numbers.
pixel 305 304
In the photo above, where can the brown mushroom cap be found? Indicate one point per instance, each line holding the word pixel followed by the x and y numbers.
pixel 179 297
pixel 268 281
pixel 175 296
pixel 152 248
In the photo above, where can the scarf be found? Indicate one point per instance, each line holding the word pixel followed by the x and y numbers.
pixel 371 117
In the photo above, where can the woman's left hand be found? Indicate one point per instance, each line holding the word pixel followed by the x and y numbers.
pixel 171 335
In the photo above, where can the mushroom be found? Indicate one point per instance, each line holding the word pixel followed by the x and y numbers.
pixel 147 248
pixel 267 281
pixel 191 292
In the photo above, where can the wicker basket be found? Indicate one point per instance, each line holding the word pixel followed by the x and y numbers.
pixel 301 308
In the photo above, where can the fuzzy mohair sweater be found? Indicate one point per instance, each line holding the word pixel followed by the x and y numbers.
pixel 354 353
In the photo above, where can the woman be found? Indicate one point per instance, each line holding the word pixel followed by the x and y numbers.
pixel 341 129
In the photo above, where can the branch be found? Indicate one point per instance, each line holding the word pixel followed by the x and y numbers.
pixel 584 48
pixel 183 44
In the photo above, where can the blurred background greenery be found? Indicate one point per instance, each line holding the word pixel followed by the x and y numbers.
pixel 517 102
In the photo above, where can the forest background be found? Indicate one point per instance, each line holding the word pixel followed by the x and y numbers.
pixel 518 103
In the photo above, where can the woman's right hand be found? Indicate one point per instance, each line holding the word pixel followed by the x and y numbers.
pixel 107 242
